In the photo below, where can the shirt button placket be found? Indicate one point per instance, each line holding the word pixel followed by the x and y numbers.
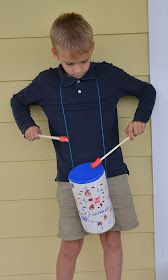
pixel 79 91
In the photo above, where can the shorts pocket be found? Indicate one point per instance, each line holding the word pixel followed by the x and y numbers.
pixel 120 192
pixel 66 200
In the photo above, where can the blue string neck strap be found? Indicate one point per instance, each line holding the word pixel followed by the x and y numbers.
pixel 101 124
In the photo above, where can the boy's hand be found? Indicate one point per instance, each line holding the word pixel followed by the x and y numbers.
pixel 32 133
pixel 134 129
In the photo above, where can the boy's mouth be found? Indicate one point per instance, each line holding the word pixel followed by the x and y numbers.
pixel 79 76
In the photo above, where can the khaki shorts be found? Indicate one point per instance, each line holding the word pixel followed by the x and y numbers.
pixel 70 227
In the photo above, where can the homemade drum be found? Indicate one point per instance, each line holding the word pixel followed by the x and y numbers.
pixel 91 193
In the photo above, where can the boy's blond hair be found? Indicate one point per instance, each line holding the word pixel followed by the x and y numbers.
pixel 72 32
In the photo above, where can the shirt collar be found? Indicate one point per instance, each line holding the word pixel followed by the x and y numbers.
pixel 68 81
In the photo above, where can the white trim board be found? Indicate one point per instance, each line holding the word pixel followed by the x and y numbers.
pixel 158 45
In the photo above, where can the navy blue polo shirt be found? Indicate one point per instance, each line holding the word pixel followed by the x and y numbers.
pixel 87 111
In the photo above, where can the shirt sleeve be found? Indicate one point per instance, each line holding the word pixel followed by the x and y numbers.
pixel 21 101
pixel 145 92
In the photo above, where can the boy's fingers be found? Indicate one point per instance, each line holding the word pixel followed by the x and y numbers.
pixel 140 131
pixel 30 137
pixel 129 132
pixel 135 130
pixel 32 133
pixel 139 128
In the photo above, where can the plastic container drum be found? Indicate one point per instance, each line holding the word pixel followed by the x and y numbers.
pixel 90 191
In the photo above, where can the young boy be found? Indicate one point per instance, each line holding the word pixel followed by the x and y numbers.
pixel 79 99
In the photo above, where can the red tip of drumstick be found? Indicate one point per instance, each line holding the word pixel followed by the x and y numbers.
pixel 97 162
pixel 63 139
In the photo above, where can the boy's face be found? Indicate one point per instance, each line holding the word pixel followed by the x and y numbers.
pixel 76 66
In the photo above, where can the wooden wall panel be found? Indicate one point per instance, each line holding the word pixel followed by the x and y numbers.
pixel 99 275
pixel 27 218
pixel 37 255
pixel 144 209
pixel 140 167
pixel 23 59
pixel 27 180
pixel 140 146
pixel 50 276
pixel 126 275
pixel 142 251
pixel 106 17
pixel 15 148
pixel 28 255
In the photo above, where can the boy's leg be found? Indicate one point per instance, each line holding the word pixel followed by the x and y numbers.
pixel 70 231
pixel 69 251
pixel 126 219
pixel 111 243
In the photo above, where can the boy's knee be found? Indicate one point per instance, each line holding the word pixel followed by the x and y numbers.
pixel 71 248
pixel 111 240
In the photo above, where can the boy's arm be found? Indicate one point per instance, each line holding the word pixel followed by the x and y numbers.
pixel 144 91
pixel 146 94
pixel 20 103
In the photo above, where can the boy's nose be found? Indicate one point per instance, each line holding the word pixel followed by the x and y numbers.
pixel 77 69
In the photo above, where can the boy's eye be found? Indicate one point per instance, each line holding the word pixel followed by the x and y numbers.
pixel 70 64
pixel 84 61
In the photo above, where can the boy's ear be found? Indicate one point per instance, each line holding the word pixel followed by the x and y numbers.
pixel 93 46
pixel 54 52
